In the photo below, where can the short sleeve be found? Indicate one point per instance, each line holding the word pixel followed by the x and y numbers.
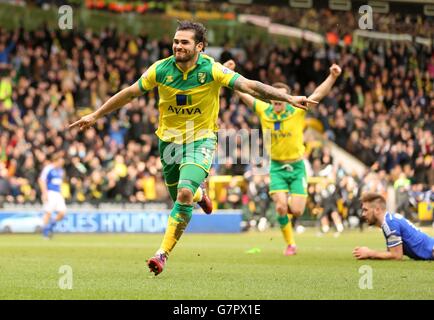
pixel 224 76
pixel 149 79
pixel 392 232
pixel 259 107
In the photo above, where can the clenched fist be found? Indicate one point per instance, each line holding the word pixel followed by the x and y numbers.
pixel 230 64
pixel 335 70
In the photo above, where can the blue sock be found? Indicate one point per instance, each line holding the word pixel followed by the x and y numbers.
pixel 52 224
pixel 46 230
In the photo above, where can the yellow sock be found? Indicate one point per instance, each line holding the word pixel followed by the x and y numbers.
pixel 288 233
pixel 173 233
pixel 198 195
pixel 178 220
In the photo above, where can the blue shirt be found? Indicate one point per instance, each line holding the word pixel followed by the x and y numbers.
pixel 118 135
pixel 52 177
pixel 4 55
pixel 398 230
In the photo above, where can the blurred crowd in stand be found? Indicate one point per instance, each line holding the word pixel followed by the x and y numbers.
pixel 381 110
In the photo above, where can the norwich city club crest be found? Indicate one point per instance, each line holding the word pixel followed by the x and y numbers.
pixel 201 77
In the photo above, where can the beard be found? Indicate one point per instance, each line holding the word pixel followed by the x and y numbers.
pixel 369 222
pixel 187 56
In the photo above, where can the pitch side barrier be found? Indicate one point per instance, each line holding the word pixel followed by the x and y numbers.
pixel 118 221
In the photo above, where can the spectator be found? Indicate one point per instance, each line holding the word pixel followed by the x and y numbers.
pixel 234 195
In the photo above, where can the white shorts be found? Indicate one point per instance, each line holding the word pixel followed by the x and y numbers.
pixel 55 202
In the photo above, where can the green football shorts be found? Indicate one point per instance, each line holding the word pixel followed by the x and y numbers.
pixel 175 156
pixel 291 178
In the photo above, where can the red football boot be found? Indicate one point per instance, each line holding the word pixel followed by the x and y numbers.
pixel 156 263
pixel 205 203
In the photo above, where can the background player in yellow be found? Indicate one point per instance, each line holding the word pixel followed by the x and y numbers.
pixel 287 170
pixel 188 85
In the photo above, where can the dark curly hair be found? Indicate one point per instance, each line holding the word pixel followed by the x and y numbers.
pixel 198 28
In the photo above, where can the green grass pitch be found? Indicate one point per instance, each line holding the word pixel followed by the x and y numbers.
pixel 206 267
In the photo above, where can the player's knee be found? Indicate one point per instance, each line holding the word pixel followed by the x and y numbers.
pixel 185 196
pixel 47 215
pixel 281 208
pixel 297 212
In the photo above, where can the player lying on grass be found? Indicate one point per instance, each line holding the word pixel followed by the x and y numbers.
pixel 402 237
pixel 287 170
pixel 188 84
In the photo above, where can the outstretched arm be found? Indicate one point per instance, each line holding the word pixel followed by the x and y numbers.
pixel 263 91
pixel 394 253
pixel 320 92
pixel 117 101
pixel 324 88
pixel 255 89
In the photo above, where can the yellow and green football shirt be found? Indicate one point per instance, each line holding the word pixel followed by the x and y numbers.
pixel 189 101
pixel 286 130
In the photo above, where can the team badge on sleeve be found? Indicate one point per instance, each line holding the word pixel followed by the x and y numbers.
pixel 226 70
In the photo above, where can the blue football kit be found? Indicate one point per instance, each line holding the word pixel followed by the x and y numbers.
pixel 416 244
pixel 53 177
